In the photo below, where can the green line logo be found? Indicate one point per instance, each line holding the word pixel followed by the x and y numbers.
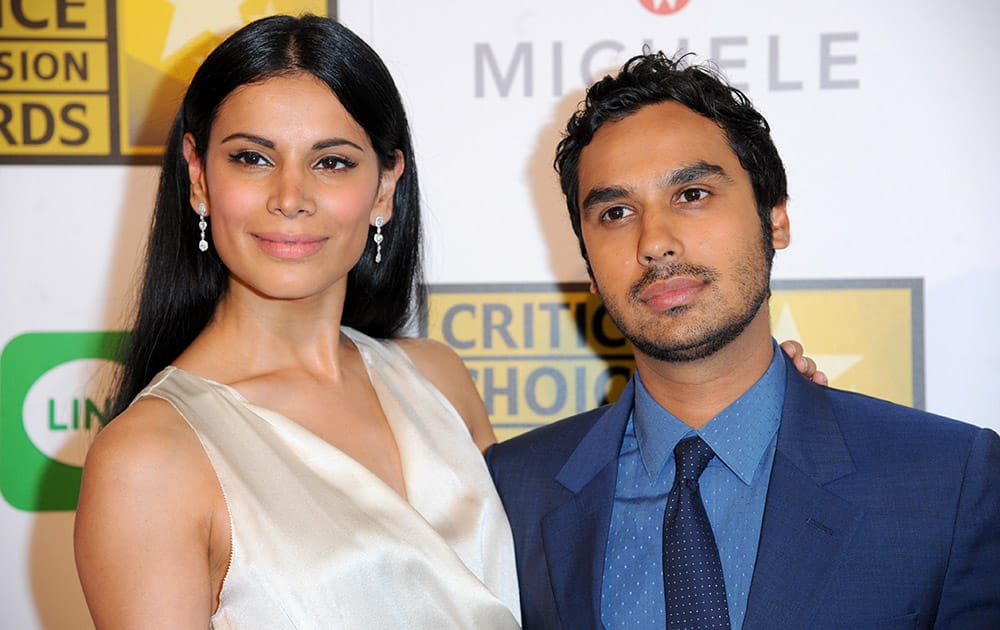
pixel 53 398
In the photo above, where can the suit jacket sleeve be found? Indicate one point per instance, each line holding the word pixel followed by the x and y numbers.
pixel 970 597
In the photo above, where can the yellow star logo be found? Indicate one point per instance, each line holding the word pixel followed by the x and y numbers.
pixel 835 365
pixel 193 17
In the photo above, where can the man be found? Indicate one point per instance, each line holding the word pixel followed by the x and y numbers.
pixel 817 508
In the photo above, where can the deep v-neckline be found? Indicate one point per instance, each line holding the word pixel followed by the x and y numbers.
pixel 281 421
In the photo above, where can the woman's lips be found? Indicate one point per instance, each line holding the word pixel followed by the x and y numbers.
pixel 670 293
pixel 289 246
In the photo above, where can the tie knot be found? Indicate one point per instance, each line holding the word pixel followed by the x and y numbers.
pixel 692 455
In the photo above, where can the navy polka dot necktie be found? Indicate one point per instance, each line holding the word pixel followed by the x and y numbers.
pixel 692 573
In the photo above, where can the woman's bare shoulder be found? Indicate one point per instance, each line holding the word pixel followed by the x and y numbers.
pixel 149 451
pixel 446 371
pixel 148 436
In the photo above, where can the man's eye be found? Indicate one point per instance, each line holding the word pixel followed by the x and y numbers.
pixel 693 194
pixel 615 213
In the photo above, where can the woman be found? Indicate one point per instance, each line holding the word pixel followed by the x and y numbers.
pixel 271 463
pixel 283 468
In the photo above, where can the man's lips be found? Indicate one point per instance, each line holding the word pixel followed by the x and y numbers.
pixel 671 292
pixel 289 246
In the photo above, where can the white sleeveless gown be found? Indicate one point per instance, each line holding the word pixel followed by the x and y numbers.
pixel 318 541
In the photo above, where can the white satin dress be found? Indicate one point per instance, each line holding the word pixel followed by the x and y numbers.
pixel 318 541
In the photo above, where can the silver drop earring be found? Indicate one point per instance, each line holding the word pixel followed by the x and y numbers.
pixel 378 239
pixel 202 225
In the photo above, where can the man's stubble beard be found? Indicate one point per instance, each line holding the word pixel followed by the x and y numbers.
pixel 704 338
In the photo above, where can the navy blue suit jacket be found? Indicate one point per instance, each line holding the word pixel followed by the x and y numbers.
pixel 877 516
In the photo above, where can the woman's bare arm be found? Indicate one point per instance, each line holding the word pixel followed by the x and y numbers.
pixel 144 522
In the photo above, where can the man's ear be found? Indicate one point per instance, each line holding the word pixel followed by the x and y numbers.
pixel 196 172
pixel 781 235
pixel 387 189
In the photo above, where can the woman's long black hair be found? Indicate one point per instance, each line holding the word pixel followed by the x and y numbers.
pixel 181 285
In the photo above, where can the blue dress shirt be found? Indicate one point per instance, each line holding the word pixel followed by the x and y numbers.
pixel 733 488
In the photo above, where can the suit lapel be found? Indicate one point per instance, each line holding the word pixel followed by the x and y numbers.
pixel 575 534
pixel 806 528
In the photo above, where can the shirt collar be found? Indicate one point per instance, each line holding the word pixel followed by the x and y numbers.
pixel 739 435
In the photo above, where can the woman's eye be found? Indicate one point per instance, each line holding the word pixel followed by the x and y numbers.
pixel 250 158
pixel 693 194
pixel 335 163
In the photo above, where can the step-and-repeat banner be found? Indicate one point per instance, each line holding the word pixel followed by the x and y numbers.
pixel 883 112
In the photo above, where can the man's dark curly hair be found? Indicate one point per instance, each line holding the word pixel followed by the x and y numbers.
pixel 653 78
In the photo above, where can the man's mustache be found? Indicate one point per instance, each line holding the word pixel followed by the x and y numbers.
pixel 665 271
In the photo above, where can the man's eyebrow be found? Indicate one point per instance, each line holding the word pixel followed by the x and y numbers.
pixel 603 195
pixel 693 172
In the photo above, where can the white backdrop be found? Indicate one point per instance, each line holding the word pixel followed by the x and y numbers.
pixel 885 114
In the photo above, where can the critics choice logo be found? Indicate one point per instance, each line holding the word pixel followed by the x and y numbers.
pixel 536 352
